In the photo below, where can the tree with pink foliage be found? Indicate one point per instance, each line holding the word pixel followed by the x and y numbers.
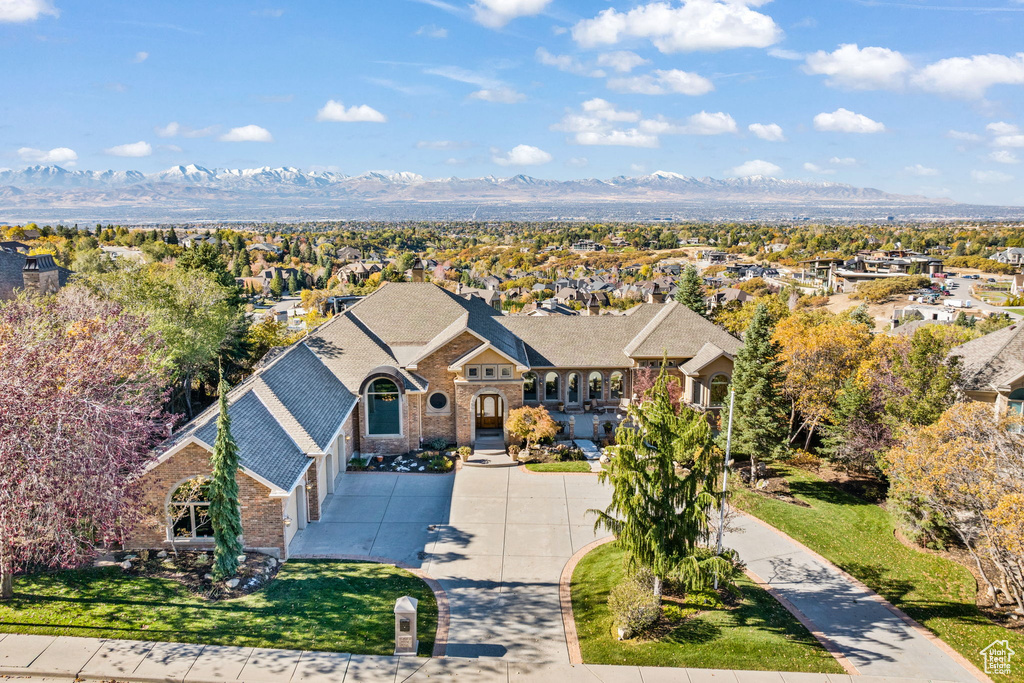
pixel 80 410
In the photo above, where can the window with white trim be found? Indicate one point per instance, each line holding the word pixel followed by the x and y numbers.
pixel 189 510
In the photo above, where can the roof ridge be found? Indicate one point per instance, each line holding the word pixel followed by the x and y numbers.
pixel 649 328
pixel 278 410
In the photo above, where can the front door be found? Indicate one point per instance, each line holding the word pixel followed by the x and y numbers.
pixel 489 409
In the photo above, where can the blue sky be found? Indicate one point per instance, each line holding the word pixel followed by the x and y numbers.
pixel 918 96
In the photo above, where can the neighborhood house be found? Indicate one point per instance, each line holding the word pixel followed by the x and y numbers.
pixel 408 364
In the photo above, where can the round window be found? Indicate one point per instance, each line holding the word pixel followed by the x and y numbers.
pixel 438 401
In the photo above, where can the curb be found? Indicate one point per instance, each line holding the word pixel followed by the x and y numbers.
pixel 572 640
pixel 443 609
pixel 872 595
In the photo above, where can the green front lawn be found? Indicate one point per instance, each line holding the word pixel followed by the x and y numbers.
pixel 758 634
pixel 571 466
pixel 311 605
pixel 859 538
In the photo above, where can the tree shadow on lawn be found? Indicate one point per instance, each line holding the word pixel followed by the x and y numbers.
pixel 824 492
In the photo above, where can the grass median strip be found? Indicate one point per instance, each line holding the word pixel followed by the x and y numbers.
pixel 572 466
pixel 328 605
pixel 756 634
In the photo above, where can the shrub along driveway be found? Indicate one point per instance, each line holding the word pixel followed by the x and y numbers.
pixel 496 539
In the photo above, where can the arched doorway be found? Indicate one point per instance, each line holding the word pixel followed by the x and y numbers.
pixel 490 409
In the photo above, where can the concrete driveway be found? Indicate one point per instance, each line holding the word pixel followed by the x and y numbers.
pixel 495 538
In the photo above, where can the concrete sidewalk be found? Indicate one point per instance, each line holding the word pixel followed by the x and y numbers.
pixel 874 639
pixel 54 657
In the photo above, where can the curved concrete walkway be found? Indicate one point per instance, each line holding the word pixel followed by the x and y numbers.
pixel 497 540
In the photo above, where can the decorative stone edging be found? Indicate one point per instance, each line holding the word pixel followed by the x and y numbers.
pixel 443 609
pixel 872 595
pixel 572 639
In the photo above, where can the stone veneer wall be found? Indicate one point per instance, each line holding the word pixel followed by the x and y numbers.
pixel 464 399
pixel 313 494
pixel 262 525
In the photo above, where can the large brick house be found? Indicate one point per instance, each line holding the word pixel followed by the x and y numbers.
pixel 410 363
pixel 992 369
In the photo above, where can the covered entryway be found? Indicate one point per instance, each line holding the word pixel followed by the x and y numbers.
pixel 489 411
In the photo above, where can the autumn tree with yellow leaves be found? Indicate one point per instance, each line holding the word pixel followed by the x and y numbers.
pixel 969 468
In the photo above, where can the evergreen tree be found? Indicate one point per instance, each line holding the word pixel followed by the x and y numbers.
pixel 661 517
pixel 277 285
pixel 225 513
pixel 293 284
pixel 759 425
pixel 172 236
pixel 690 292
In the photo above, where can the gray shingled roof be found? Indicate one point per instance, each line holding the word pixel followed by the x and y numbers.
pixel 264 447
pixel 405 314
pixel 11 278
pixel 650 330
pixel 310 392
pixel 707 354
pixel 993 360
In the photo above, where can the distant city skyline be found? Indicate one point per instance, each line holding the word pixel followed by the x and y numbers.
pixel 908 97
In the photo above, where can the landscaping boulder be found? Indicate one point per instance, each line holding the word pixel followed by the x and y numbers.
pixel 127 564
pixel 231 583
pixel 162 554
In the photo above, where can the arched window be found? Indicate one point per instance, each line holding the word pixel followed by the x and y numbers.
pixel 551 386
pixel 574 387
pixel 190 509
pixel 596 386
pixel 382 408
pixel 615 385
pixel 1017 401
pixel 718 389
pixel 530 387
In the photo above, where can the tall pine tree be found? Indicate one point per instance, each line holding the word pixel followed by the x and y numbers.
pixel 661 517
pixel 690 292
pixel 225 513
pixel 760 423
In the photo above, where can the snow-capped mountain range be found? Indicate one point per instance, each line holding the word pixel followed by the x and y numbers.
pixel 290 192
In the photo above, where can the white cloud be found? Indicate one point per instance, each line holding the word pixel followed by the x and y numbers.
pixel 57 155
pixel 694 25
pixel 755 167
pixel 250 133
pixel 990 177
pixel 1009 141
pixel 578 162
pixel 702 123
pixel 921 170
pixel 971 77
pixel 523 155
pixel 854 68
pixel 662 82
pixel 843 161
pixel 772 132
pixel 814 168
pixel 596 123
pixel 1002 128
pixel 336 111
pixel 460 75
pixel 25 10
pixel 846 121
pixel 961 135
pixel 566 63
pixel 622 61
pixel 431 31
pixel 501 95
pixel 780 53
pixel 132 149
pixel 1004 156
pixel 497 13
pixel 168 131
pixel 140 57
